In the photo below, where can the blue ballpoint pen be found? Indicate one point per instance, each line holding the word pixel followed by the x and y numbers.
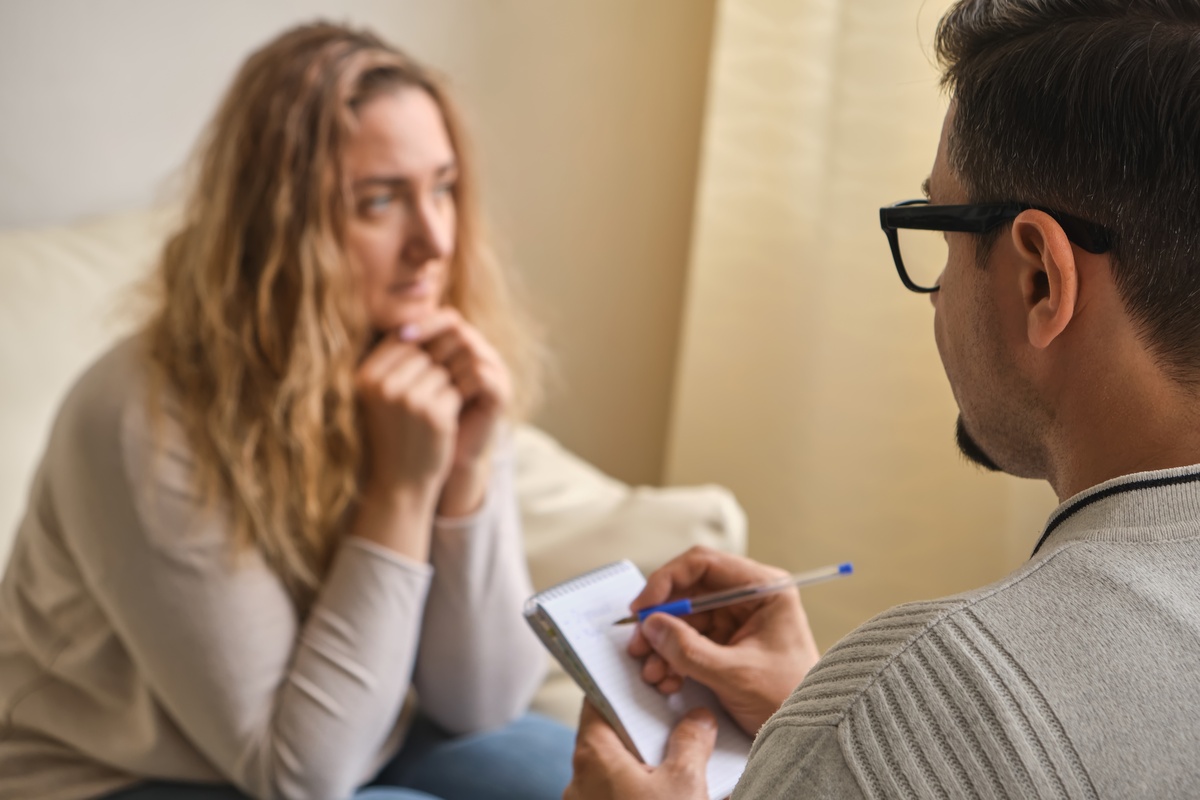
pixel 694 605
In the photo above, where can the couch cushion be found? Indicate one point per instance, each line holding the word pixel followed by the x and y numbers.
pixel 577 518
pixel 65 295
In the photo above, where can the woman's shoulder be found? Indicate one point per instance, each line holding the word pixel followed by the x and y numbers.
pixel 107 408
pixel 119 435
pixel 102 395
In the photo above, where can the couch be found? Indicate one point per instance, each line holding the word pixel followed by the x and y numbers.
pixel 67 292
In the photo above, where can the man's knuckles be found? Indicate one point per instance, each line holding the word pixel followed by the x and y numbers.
pixel 685 650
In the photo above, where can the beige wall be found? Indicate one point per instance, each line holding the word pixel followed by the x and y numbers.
pixel 808 381
pixel 587 115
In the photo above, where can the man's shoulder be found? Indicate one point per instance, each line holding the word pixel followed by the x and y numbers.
pixel 868 653
pixel 926 700
pixel 955 633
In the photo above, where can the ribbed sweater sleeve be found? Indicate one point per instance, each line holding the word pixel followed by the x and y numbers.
pixel 922 702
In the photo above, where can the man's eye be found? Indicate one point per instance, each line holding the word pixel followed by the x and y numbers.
pixel 444 189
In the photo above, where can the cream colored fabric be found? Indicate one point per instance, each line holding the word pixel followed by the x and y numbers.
pixel 66 294
pixel 809 382
pixel 577 518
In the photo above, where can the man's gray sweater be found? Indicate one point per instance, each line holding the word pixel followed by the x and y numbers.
pixel 1076 676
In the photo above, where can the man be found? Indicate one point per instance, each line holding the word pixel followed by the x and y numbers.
pixel 1067 317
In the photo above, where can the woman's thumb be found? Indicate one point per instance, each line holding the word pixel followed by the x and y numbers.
pixel 686 650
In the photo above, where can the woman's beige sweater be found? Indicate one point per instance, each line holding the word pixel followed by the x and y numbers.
pixel 134 645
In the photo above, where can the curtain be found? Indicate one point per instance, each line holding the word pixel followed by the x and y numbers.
pixel 808 380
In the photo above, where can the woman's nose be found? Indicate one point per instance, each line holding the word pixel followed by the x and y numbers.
pixel 429 236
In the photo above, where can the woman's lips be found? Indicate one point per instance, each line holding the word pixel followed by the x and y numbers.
pixel 414 289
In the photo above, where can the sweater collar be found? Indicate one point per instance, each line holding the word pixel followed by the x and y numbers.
pixel 1140 507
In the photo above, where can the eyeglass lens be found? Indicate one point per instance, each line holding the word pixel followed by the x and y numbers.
pixel 924 255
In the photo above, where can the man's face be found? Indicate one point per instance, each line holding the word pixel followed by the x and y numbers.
pixel 979 329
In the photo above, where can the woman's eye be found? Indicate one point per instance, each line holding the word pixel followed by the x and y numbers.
pixel 444 189
pixel 375 203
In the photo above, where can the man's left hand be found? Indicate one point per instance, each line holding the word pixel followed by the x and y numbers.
pixel 605 770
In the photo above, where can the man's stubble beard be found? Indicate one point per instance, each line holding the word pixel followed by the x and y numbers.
pixel 971 449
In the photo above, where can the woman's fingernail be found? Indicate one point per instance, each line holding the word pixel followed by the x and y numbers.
pixel 409 332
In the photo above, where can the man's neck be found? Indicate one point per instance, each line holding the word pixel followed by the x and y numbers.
pixel 1128 423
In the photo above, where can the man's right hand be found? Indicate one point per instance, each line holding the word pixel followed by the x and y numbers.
pixel 752 655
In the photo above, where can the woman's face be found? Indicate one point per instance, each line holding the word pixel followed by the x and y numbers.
pixel 402 171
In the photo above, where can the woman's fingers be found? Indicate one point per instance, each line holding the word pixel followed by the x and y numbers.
pixel 466 372
pixel 452 342
pixel 446 346
pixel 445 331
pixel 427 390
pixel 411 411
pixel 382 360
pixel 430 327
pixel 405 373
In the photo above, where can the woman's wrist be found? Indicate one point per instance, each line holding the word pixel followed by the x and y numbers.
pixel 400 519
pixel 465 489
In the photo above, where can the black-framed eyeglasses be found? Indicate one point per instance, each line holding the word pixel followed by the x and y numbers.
pixel 920 254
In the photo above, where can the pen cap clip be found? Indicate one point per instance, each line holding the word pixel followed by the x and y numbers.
pixel 677 608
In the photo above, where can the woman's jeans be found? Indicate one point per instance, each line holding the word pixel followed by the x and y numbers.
pixel 528 760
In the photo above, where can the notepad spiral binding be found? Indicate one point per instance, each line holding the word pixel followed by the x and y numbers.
pixel 582 581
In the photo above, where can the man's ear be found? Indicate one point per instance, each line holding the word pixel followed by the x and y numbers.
pixel 1049 278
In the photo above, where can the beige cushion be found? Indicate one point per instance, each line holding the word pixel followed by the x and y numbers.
pixel 66 294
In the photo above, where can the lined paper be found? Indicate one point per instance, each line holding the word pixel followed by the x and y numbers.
pixel 584 611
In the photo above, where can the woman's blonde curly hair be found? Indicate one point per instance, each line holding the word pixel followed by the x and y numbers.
pixel 259 322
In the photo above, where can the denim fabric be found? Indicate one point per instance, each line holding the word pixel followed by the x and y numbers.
pixel 527 760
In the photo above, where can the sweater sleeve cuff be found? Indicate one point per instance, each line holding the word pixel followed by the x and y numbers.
pixel 377 551
pixel 469 522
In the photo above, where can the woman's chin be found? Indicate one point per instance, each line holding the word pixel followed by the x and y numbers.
pixel 397 317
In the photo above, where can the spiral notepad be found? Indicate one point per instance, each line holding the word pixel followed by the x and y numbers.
pixel 575 620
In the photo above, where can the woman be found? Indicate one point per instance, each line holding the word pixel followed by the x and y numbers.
pixel 289 500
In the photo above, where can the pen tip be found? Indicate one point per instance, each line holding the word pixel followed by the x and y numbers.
pixel 845 569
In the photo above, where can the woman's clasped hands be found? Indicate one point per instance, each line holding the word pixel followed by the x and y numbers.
pixel 434 395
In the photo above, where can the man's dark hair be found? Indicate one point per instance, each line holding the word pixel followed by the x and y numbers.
pixel 1092 107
